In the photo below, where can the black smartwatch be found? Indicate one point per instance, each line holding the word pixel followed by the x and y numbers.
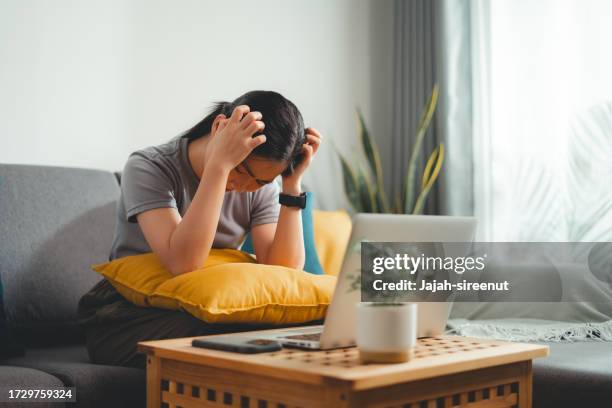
pixel 293 201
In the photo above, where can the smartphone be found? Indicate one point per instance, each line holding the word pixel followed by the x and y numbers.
pixel 237 344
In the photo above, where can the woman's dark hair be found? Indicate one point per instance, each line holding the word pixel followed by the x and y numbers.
pixel 284 130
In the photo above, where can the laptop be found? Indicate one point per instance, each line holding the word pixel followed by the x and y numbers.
pixel 339 328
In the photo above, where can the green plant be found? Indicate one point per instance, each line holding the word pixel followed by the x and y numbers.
pixel 367 196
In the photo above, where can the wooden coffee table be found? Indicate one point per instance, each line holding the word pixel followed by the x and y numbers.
pixel 446 371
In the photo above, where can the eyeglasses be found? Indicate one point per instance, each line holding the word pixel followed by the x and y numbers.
pixel 250 173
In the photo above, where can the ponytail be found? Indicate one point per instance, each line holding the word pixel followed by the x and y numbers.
pixel 204 126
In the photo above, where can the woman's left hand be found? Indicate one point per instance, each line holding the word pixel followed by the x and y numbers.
pixel 313 141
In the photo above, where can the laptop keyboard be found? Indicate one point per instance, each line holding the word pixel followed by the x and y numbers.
pixel 310 337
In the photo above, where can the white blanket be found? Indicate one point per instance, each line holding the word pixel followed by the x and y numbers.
pixel 532 330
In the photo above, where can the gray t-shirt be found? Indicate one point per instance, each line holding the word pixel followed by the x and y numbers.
pixel 161 176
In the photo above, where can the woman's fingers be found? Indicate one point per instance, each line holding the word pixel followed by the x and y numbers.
pixel 256 141
pixel 309 148
pixel 305 162
pixel 314 131
pixel 255 127
pixel 308 154
pixel 309 151
pixel 314 141
pixel 250 118
pixel 238 113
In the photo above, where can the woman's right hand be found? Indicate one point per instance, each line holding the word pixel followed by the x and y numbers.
pixel 232 138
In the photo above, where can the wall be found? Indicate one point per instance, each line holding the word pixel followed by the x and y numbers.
pixel 84 83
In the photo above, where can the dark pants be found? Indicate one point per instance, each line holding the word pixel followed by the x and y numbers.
pixel 113 326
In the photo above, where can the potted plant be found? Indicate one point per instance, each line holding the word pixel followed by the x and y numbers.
pixel 386 332
pixel 386 328
pixel 366 196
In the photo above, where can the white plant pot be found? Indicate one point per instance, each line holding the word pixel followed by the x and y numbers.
pixel 386 333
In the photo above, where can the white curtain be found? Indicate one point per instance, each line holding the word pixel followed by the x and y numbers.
pixel 454 119
pixel 542 117
pixel 432 44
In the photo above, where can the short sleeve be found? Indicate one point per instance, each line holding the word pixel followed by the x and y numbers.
pixel 144 186
pixel 264 206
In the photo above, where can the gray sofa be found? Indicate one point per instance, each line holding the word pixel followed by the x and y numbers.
pixel 56 222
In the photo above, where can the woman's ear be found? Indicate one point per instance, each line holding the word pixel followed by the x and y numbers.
pixel 216 123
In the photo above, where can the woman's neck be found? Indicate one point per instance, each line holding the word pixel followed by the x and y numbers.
pixel 196 151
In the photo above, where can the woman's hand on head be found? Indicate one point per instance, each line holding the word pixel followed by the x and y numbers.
pixel 232 138
pixel 309 150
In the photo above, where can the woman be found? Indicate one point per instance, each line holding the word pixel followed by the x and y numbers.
pixel 206 188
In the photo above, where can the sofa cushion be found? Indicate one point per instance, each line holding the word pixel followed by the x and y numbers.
pixel 22 377
pixel 97 385
pixel 137 277
pixel 230 288
pixel 55 223
pixel 266 294
pixel 575 374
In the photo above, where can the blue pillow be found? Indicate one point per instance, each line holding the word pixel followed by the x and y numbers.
pixel 312 263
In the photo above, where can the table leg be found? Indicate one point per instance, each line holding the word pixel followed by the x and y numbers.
pixel 153 382
pixel 526 386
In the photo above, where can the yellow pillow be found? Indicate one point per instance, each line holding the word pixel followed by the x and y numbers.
pixel 230 288
pixel 248 293
pixel 136 277
pixel 332 231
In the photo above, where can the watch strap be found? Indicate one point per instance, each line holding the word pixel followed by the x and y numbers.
pixel 292 201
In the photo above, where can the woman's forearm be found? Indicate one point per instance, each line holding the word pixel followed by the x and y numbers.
pixel 287 249
pixel 193 237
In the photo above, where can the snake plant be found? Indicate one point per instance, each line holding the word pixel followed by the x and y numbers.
pixel 367 195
